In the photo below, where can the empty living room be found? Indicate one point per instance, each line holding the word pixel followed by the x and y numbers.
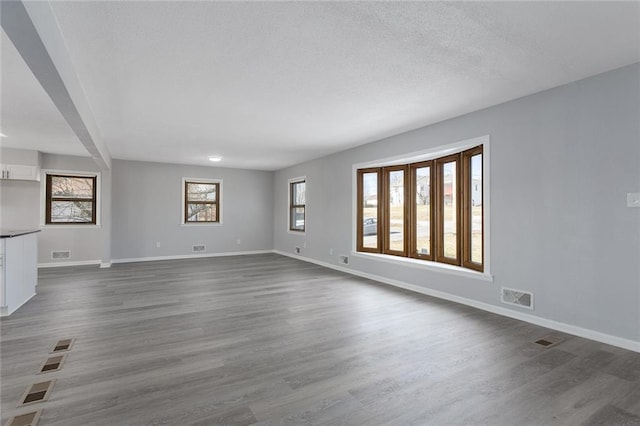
pixel 319 213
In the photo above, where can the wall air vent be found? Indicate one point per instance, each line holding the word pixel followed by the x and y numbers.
pixel 344 260
pixel 199 248
pixel 61 254
pixel 521 298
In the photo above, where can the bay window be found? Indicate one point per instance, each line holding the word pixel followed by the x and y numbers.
pixel 430 210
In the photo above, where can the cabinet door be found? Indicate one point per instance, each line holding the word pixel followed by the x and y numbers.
pixel 19 171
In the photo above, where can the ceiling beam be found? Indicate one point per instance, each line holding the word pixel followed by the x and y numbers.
pixel 33 30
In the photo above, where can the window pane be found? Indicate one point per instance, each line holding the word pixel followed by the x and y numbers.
pixel 396 210
pixel 297 218
pixel 201 213
pixel 370 210
pixel 450 220
pixel 298 193
pixel 71 211
pixel 476 208
pixel 71 187
pixel 423 210
pixel 201 191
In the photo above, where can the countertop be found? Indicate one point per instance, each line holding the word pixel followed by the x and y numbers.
pixel 13 233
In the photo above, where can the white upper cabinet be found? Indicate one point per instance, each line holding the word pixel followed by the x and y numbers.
pixel 20 164
pixel 19 172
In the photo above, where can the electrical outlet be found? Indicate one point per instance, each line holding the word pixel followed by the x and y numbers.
pixel 633 199
pixel 330 252
pixel 238 241
pixel 157 244
pixel 304 244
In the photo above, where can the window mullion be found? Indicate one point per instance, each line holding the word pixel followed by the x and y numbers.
pixel 441 210
pixel 432 210
pixel 369 224
pixel 460 217
pixel 408 224
pixel 468 206
pixel 416 191
pixel 388 187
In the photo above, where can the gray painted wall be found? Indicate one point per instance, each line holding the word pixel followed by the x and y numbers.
pixel 20 204
pixel 17 197
pixel 562 162
pixel 85 243
pixel 22 208
pixel 146 208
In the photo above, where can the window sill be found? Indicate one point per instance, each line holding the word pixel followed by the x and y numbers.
pixel 202 224
pixel 296 232
pixel 74 226
pixel 426 265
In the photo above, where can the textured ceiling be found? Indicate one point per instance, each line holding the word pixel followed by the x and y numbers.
pixel 27 115
pixel 271 84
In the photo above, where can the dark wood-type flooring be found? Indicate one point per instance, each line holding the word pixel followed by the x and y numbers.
pixel 271 340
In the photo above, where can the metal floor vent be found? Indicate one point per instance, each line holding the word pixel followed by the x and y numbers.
pixel 548 341
pixel 52 364
pixel 28 419
pixel 37 393
pixel 62 346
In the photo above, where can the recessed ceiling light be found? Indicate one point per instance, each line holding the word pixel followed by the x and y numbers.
pixel 215 159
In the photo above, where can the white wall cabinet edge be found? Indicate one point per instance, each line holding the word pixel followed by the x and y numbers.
pixel 19 271
pixel 19 172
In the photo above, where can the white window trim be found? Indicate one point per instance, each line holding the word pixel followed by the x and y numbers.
pixel 430 154
pixel 43 198
pixel 182 201
pixel 428 265
pixel 306 200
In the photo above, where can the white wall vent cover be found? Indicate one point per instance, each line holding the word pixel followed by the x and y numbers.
pixel 199 248
pixel 61 254
pixel 521 298
pixel 344 259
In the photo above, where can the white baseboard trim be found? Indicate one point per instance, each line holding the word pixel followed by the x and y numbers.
pixel 189 256
pixel 61 264
pixel 4 311
pixel 522 316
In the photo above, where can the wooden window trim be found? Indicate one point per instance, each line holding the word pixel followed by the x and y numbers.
pixel 413 250
pixel 463 210
pixel 187 201
pixel 49 198
pixel 386 172
pixel 439 199
pixel 467 194
pixel 293 206
pixel 360 217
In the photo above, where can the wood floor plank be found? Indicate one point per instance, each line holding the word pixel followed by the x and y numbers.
pixel 269 340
